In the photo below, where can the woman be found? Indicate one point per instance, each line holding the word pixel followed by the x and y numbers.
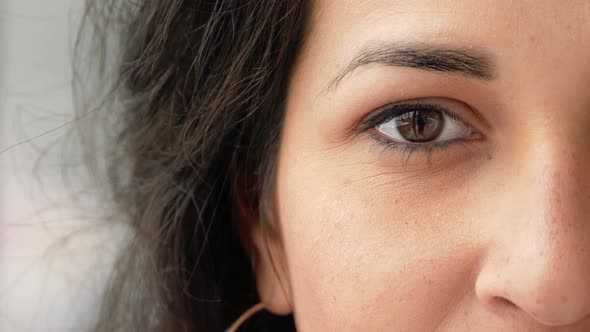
pixel 354 166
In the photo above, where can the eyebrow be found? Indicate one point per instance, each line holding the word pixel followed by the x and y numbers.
pixel 463 61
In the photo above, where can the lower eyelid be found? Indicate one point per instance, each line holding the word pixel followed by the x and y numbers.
pixel 438 153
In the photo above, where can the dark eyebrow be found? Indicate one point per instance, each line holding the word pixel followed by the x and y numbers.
pixel 466 61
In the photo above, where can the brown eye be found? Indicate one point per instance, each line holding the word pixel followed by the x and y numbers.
pixel 420 126
pixel 420 123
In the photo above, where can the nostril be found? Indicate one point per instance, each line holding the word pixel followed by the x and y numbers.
pixel 504 302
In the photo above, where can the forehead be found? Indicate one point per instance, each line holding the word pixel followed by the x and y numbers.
pixel 546 15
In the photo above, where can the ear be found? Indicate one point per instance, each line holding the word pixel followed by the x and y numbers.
pixel 264 245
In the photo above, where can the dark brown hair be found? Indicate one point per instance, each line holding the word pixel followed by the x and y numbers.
pixel 199 88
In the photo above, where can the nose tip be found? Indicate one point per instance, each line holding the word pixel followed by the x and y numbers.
pixel 550 290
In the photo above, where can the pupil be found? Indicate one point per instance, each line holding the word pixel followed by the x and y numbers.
pixel 421 122
pixel 421 126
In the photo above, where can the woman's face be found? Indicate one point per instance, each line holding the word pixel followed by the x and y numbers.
pixel 434 169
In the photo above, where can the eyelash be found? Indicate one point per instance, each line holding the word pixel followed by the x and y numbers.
pixel 391 112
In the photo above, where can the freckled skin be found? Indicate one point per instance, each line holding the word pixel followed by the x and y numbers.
pixel 493 235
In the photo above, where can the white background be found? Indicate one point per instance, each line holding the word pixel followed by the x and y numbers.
pixel 52 269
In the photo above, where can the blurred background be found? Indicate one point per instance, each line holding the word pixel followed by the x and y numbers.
pixel 55 255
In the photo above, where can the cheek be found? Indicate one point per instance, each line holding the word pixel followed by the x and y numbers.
pixel 356 251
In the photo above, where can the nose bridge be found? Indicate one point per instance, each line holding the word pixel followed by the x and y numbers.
pixel 542 264
pixel 560 187
pixel 551 162
pixel 557 208
pixel 554 211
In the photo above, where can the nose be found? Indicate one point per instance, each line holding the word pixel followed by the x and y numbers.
pixel 538 257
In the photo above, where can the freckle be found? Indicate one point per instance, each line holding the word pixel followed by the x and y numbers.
pixel 532 38
pixel 564 299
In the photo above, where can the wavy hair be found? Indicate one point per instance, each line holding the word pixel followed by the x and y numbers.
pixel 198 93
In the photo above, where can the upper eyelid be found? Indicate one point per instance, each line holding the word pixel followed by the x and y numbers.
pixel 374 119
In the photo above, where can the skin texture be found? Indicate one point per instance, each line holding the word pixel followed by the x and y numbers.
pixel 490 235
